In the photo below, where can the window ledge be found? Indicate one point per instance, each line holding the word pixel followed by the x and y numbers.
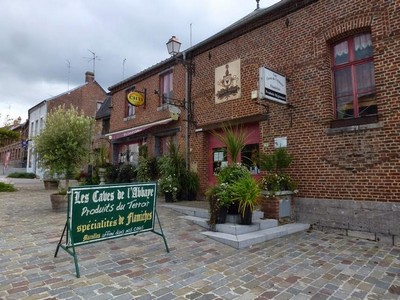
pixel 163 107
pixel 331 131
pixel 129 118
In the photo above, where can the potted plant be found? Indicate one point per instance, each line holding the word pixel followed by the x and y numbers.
pixel 192 185
pixel 63 144
pixel 172 173
pixel 278 187
pixel 49 181
pixel 102 160
pixel 246 191
pixel 169 185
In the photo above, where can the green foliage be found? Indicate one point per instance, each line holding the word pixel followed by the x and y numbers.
pixel 247 192
pixel 112 172
pixel 63 145
pixel 276 180
pixel 7 135
pixel 101 157
pixel 276 161
pixel 22 175
pixel 192 182
pixel 234 139
pixel 231 173
pixel 143 169
pixel 172 171
pixel 127 173
pixel 6 187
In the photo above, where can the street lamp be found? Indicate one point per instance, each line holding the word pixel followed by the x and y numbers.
pixel 173 46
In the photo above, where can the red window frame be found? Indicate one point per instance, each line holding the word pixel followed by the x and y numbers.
pixel 352 65
pixel 166 87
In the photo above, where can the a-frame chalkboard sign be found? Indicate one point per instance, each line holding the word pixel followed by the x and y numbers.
pixel 102 212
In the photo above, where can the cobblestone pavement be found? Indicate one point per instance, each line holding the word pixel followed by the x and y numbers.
pixel 308 265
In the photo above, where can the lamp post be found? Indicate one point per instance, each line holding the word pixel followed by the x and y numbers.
pixel 173 46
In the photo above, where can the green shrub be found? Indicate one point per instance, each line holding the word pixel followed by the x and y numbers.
pixel 127 173
pixel 6 187
pixel 21 175
pixel 112 172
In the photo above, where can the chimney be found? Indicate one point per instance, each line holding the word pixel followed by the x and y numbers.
pixel 89 76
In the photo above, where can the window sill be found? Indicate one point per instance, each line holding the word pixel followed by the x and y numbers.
pixel 351 125
pixel 129 118
pixel 163 107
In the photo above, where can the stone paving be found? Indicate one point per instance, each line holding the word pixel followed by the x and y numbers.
pixel 307 265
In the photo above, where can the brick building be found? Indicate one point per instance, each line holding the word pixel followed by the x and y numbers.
pixel 154 122
pixel 88 97
pixel 317 76
pixel 340 61
pixel 13 153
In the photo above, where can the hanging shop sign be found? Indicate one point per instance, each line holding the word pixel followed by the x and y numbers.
pixel 272 86
pixel 135 98
pixel 98 213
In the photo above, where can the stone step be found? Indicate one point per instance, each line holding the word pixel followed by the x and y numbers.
pixel 248 239
pixel 236 235
pixel 234 228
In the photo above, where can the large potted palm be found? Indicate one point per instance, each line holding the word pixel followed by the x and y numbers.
pixel 63 146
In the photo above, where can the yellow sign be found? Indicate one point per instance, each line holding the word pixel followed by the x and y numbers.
pixel 135 98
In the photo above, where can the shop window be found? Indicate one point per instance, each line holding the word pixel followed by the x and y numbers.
pixel 249 158
pixel 166 87
pixel 161 144
pixel 354 78
pixel 129 154
pixel 220 159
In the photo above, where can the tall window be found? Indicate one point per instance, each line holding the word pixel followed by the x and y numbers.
pixel 166 87
pixel 354 78
pixel 130 110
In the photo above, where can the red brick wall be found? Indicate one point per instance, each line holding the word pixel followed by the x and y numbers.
pixel 359 164
pixel 151 112
pixel 85 98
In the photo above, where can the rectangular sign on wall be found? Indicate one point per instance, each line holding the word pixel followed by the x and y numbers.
pixel 272 86
pixel 103 212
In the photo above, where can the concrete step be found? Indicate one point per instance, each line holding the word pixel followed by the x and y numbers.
pixel 248 239
pixel 236 235
pixel 234 228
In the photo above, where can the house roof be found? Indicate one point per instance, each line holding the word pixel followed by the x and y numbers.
pixel 104 110
pixel 253 20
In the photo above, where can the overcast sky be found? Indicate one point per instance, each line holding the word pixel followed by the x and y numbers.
pixel 46 45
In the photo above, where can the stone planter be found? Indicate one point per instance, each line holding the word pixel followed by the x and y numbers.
pixel 59 202
pixel 278 207
pixel 50 184
pixel 102 174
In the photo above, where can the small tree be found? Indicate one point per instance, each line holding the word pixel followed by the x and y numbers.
pixel 63 145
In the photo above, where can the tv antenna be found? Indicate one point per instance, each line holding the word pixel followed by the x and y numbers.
pixel 123 68
pixel 69 70
pixel 93 59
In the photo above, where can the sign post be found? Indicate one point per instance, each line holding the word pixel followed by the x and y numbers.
pixel 98 213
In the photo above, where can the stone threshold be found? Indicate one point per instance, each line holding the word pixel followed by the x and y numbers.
pixel 236 235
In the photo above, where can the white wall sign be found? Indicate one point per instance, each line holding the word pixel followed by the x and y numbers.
pixel 280 142
pixel 272 86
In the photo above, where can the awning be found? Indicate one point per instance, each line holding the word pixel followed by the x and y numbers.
pixel 131 131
